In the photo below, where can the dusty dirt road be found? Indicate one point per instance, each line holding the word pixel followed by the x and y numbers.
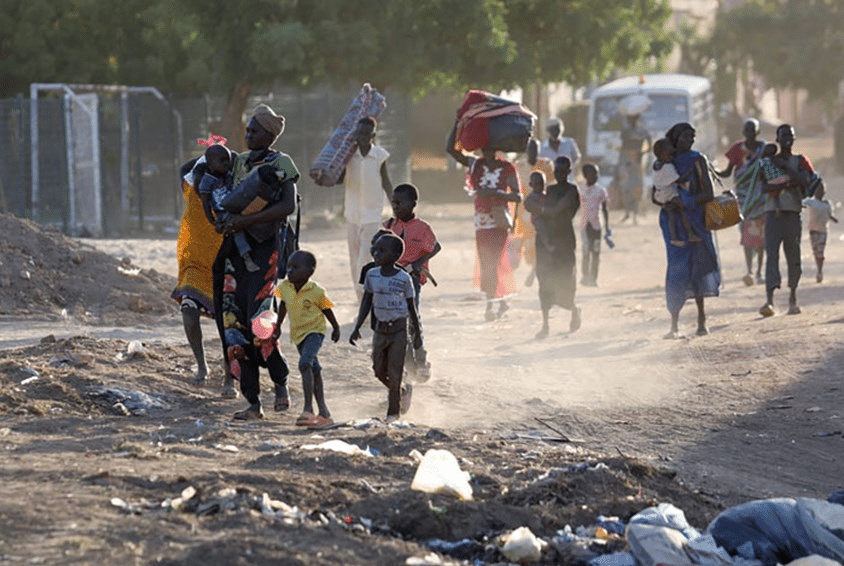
pixel 750 411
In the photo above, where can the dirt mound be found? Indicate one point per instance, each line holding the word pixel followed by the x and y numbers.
pixel 158 459
pixel 43 272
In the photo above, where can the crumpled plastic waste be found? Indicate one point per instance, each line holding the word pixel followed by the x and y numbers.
pixel 666 515
pixel 340 446
pixel 439 472
pixel 523 546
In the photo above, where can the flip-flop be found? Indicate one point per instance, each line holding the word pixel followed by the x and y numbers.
pixel 306 419
pixel 321 422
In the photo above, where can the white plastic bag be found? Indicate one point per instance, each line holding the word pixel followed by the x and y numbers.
pixel 439 472
pixel 523 546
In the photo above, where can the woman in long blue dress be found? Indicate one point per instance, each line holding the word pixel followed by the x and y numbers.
pixel 693 269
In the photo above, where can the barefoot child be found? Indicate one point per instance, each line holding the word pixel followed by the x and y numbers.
pixel 666 186
pixel 389 290
pixel 213 187
pixel 308 307
pixel 420 245
pixel 593 198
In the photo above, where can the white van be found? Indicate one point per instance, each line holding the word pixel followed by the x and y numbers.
pixel 674 98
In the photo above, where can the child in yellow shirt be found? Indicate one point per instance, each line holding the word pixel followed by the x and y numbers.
pixel 309 307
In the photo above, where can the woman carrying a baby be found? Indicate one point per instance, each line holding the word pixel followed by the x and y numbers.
pixel 240 294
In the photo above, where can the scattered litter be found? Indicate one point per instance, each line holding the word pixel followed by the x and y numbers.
pixel 427 560
pixel 130 271
pixel 364 424
pixel 463 549
pixel 136 402
pixel 611 524
pixel 781 530
pixel 227 448
pixel 614 559
pixel 135 349
pixel 666 515
pixel 339 446
pixel 523 546
pixel 439 472
pixel 29 380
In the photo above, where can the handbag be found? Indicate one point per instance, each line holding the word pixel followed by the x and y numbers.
pixel 722 211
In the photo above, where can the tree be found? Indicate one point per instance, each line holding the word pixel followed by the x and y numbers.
pixel 231 47
pixel 576 42
pixel 791 43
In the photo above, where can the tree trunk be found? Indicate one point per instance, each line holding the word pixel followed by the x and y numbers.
pixel 232 124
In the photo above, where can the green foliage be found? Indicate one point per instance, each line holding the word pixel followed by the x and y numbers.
pixel 190 47
pixel 795 43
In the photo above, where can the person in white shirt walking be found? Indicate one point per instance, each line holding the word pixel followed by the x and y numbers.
pixel 366 184
pixel 557 145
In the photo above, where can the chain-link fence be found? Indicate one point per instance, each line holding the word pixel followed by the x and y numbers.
pixel 128 183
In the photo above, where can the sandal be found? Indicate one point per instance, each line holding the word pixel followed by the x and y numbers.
pixel 250 413
pixel 306 419
pixel 321 422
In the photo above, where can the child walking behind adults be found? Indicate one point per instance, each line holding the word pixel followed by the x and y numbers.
pixel 593 198
pixel 308 307
pixel 420 245
pixel 388 290
pixel 820 213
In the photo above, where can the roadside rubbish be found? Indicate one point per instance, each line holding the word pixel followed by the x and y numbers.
pixel 463 549
pixel 666 515
pixel 781 530
pixel 439 472
pixel 340 446
pixel 135 403
pixel 523 546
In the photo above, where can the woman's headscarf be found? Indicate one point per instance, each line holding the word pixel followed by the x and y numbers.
pixel 673 135
pixel 269 120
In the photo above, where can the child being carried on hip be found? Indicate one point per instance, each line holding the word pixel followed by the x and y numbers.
pixel 309 307
pixel 213 187
pixel 388 290
pixel 667 187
